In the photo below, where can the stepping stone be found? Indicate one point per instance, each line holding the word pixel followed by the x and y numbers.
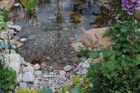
pixel 77 46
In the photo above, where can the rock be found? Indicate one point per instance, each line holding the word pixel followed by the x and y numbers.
pixel 10 23
pixel 15 27
pixel 38 73
pixel 11 31
pixel 17 4
pixel 77 46
pixel 13 42
pixel 23 39
pixel 15 62
pixel 62 73
pixel 36 67
pixel 67 68
pixel 6 4
pixel 28 69
pixel 83 59
pixel 16 38
pixel 82 72
pixel 74 59
pixel 23 85
pixel 86 65
pixel 28 77
pixel 19 78
pixel 43 65
pixel 91 37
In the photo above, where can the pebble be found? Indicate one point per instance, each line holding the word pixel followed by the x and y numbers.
pixel 67 68
pixel 28 77
pixel 36 67
pixel 38 73
pixel 23 85
pixel 23 39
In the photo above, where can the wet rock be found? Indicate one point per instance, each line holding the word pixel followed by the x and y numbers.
pixel 28 77
pixel 36 67
pixel 67 68
pixel 23 39
pixel 28 69
pixel 23 85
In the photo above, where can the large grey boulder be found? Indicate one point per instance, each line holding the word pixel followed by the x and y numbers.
pixel 15 62
pixel 28 77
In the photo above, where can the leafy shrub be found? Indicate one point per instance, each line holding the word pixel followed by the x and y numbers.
pixel 77 81
pixel 28 91
pixel 7 79
pixel 116 76
pixel 125 37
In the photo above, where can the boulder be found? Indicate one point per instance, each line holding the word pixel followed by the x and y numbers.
pixel 15 62
pixel 94 38
pixel 28 77
pixel 6 4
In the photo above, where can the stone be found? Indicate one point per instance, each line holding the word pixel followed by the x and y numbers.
pixel 17 4
pixel 86 65
pixel 10 23
pixel 11 31
pixel 82 72
pixel 23 85
pixel 94 39
pixel 15 62
pixel 67 68
pixel 19 78
pixel 62 73
pixel 83 59
pixel 28 77
pixel 74 59
pixel 38 73
pixel 15 27
pixel 28 69
pixel 77 46
pixel 36 67
pixel 13 42
pixel 23 39
pixel 6 4
pixel 43 65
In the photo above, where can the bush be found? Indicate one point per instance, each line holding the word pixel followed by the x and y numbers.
pixel 7 79
pixel 121 76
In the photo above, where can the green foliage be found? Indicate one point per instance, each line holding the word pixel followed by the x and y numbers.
pixel 29 5
pixel 125 37
pixel 80 85
pixel 83 52
pixel 3 19
pixel 7 79
pixel 116 76
pixel 26 90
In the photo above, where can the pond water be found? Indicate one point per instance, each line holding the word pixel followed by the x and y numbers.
pixel 45 42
